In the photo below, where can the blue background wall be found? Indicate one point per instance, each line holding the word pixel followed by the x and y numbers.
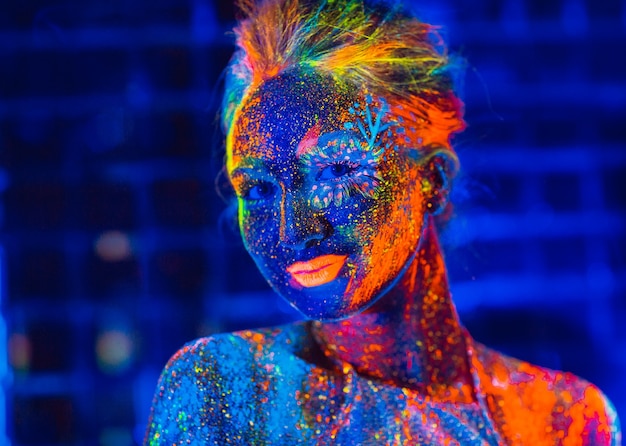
pixel 115 248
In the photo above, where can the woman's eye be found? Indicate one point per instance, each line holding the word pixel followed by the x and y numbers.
pixel 260 191
pixel 335 170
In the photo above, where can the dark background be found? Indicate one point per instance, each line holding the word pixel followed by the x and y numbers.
pixel 115 247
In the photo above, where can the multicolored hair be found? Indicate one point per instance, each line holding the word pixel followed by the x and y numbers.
pixel 373 46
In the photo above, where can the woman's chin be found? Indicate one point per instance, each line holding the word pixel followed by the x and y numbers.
pixel 325 314
pixel 327 302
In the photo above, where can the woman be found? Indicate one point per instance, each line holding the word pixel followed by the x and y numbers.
pixel 338 121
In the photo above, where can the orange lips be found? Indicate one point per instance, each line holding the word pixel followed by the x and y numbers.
pixel 317 271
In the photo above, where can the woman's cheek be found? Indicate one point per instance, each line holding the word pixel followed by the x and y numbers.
pixel 352 212
pixel 257 228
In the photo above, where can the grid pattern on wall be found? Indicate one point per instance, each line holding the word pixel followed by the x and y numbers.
pixel 116 247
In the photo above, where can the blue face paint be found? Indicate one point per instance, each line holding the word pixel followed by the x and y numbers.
pixel 328 210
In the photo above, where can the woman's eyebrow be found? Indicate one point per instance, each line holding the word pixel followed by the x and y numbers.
pixel 304 152
pixel 331 146
pixel 309 142
pixel 249 164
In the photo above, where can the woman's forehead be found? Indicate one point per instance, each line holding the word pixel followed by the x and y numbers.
pixel 280 113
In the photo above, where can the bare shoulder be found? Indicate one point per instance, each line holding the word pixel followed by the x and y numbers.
pixel 560 404
pixel 210 388
pixel 221 353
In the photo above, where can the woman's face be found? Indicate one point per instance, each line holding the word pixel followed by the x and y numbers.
pixel 331 208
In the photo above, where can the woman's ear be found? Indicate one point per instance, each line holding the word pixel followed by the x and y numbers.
pixel 437 172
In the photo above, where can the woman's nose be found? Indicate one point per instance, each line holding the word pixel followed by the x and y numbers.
pixel 301 226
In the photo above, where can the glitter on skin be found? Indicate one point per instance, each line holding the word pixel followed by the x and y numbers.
pixel 332 162
pixel 282 223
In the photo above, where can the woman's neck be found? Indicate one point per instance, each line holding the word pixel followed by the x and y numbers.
pixel 411 337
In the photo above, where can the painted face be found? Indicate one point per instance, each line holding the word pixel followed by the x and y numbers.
pixel 330 206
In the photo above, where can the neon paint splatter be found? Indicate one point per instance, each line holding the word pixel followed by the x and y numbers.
pixel 343 165
pixel 339 119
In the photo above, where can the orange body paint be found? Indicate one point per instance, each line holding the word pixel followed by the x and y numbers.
pixel 339 117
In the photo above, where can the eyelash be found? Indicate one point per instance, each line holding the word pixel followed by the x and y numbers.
pixel 351 166
pixel 247 186
pixel 363 180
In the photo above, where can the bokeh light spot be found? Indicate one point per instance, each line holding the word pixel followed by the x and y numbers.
pixel 114 350
pixel 20 352
pixel 113 246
